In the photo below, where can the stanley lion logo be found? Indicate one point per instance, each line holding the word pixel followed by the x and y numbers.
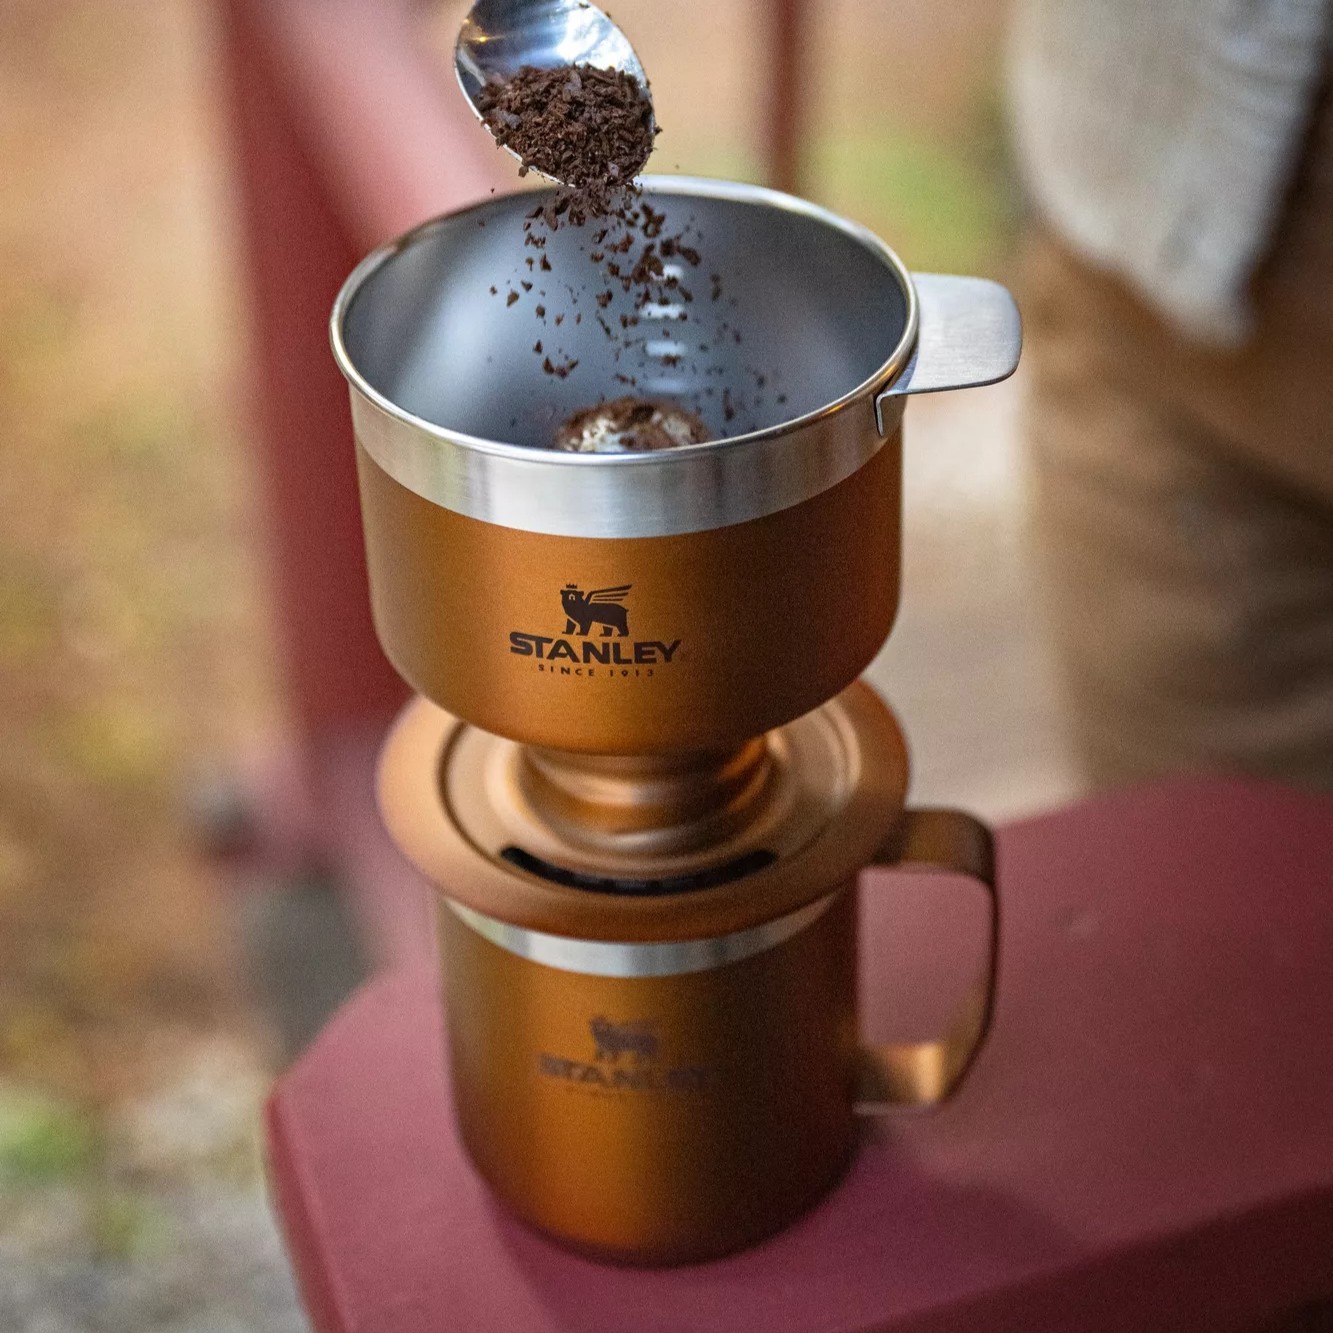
pixel 601 607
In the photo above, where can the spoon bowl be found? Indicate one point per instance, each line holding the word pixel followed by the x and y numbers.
pixel 499 37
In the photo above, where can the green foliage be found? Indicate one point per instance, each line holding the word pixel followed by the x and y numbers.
pixel 126 1226
pixel 44 1139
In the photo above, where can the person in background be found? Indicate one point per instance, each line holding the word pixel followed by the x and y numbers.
pixel 1178 306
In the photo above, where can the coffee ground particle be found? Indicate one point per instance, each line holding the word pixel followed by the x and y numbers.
pixel 561 371
pixel 593 129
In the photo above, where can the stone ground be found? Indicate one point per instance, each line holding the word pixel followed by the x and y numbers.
pixel 134 647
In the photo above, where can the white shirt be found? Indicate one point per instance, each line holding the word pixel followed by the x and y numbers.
pixel 1158 137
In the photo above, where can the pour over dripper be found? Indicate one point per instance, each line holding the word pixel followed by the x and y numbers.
pixel 752 577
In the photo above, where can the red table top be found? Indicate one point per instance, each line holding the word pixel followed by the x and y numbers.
pixel 1146 1141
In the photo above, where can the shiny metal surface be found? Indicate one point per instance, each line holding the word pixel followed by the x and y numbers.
pixel 923 1073
pixel 499 37
pixel 450 400
pixel 600 958
pixel 970 334
pixel 437 777
pixel 799 781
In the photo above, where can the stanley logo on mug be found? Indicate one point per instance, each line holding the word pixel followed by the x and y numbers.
pixel 626 1057
pixel 588 654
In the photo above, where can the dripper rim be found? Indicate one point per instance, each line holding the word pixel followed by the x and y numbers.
pixel 686 186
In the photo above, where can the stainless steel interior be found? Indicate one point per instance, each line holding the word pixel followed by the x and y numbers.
pixel 810 311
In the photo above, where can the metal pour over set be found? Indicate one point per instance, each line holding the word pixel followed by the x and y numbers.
pixel 641 769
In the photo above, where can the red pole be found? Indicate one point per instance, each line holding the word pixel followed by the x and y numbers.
pixel 298 251
pixel 789 58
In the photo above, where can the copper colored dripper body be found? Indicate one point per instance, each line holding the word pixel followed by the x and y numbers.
pixel 643 774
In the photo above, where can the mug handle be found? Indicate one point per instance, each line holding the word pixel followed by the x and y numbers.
pixel 924 1073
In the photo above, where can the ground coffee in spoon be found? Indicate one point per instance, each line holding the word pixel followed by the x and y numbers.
pixel 590 128
pixel 594 129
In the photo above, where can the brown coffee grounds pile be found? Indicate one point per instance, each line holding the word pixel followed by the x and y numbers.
pixel 630 425
pixel 590 128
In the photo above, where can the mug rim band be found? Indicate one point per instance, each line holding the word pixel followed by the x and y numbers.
pixel 672 958
pixel 688 489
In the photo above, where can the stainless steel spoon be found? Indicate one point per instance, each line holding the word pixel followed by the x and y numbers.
pixel 499 37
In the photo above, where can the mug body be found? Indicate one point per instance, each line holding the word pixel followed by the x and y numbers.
pixel 649 1072
pixel 655 1103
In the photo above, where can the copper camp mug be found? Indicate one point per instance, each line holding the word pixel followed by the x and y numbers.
pixel 666 1081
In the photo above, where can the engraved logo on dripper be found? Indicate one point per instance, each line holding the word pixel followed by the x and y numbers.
pixel 602 606
pixel 595 642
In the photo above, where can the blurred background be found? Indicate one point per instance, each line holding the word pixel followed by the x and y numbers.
pixel 141 670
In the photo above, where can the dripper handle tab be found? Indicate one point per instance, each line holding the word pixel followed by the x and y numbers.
pixel 970 334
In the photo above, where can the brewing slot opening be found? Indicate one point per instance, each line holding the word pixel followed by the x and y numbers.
pixel 713 878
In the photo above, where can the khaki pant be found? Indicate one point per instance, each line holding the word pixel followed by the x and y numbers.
pixel 1182 510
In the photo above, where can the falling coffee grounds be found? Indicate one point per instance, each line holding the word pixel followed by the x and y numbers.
pixel 630 426
pixel 593 129
pixel 590 128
